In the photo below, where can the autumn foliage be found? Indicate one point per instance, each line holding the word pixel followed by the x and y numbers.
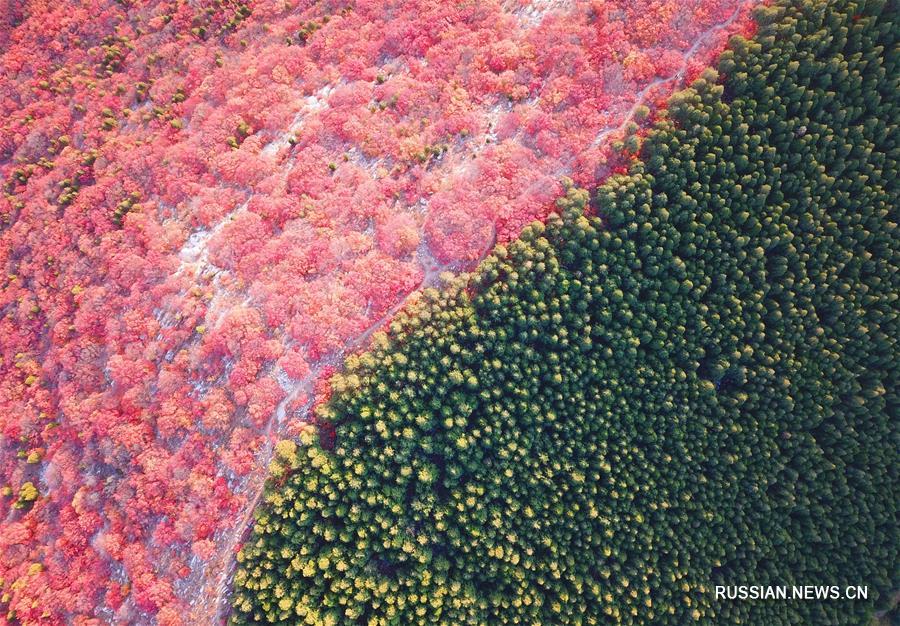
pixel 206 204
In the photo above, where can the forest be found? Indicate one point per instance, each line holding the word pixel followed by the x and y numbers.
pixel 423 312
pixel 681 380
pixel 208 204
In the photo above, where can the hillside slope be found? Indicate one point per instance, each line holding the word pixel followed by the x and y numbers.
pixel 207 203
pixel 618 412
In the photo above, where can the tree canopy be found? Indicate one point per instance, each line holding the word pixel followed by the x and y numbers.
pixel 692 384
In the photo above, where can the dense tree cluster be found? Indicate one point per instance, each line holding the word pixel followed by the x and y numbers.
pixel 204 203
pixel 614 414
